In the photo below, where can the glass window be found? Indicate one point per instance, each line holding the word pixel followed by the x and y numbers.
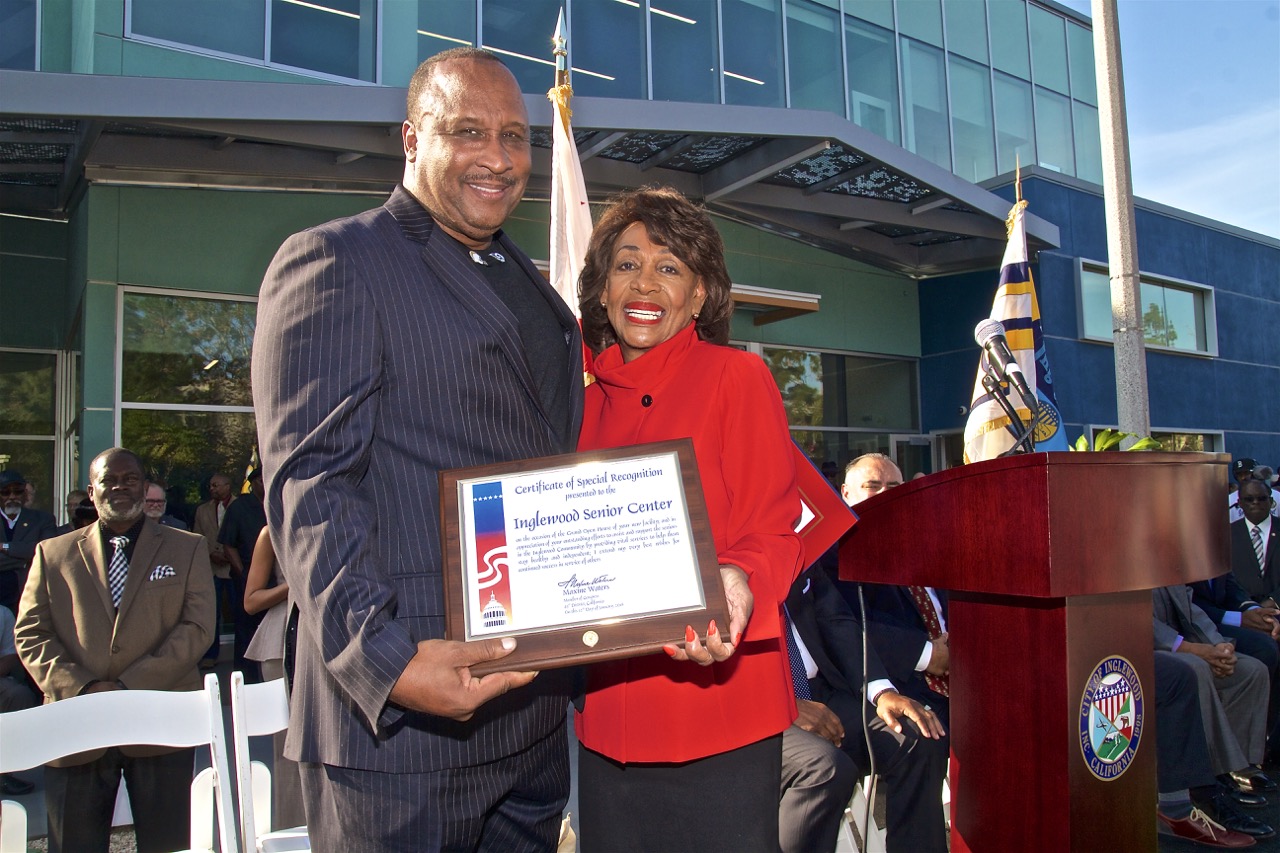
pixel 1174 316
pixel 1015 138
pixel 443 24
pixel 1009 37
pixel 1200 442
pixel 236 27
pixel 185 448
pixel 28 420
pixel 607 48
pixel 752 52
pixel 873 78
pixel 1088 144
pixel 1048 49
pixel 1095 302
pixel 1054 140
pixel 823 389
pixel 813 51
pixel 1084 81
pixel 924 103
pixel 338 37
pixel 967 28
pixel 18 35
pixel 971 121
pixel 879 12
pixel 684 40
pixel 186 350
pixel 27 382
pixel 520 32
pixel 921 19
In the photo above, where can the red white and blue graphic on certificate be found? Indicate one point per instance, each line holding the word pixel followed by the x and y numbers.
pixel 491 581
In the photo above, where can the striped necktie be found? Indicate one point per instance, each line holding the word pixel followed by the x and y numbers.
pixel 1259 548
pixel 118 571
pixel 939 684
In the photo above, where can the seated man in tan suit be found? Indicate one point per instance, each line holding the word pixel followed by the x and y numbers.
pixel 121 604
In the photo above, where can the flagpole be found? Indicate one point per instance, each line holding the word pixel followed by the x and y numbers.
pixel 1129 344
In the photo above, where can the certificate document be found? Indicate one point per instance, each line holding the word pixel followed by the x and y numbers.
pixel 597 554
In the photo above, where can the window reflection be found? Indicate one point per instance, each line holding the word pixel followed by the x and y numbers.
pixel 685 66
pixel 873 78
pixel 834 390
pixel 607 50
pixel 185 448
pixel 753 52
pixel 520 32
pixel 18 35
pixel 186 350
pixel 924 103
pixel 27 381
pixel 813 49
pixel 445 24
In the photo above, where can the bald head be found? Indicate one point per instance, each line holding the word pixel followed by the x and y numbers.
pixel 869 474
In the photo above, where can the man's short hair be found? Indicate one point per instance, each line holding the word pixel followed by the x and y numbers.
pixel 869 457
pixel 422 76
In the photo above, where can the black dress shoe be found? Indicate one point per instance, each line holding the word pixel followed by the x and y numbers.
pixel 1252 779
pixel 1245 798
pixel 13 786
pixel 1224 811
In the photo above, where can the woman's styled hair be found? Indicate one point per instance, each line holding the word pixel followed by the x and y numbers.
pixel 672 221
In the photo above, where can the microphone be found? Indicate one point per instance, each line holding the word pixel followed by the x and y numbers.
pixel 990 336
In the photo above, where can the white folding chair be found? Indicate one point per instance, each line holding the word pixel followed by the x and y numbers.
pixel 259 709
pixel 128 718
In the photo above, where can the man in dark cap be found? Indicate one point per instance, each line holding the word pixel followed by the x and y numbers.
pixel 22 529
pixel 1244 470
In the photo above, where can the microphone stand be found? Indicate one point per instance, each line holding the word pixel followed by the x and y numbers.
pixel 1023 434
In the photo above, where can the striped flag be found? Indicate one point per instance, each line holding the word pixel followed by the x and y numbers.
pixel 570 212
pixel 1016 307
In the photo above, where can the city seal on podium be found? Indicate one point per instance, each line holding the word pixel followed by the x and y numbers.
pixel 1111 718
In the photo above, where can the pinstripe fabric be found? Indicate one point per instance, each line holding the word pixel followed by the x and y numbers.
pixel 380 358
pixel 515 804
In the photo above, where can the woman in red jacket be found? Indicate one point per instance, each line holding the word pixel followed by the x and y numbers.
pixel 683 750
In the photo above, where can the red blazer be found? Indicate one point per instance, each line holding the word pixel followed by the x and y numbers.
pixel 652 708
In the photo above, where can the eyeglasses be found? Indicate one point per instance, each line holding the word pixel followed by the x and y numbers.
pixel 1259 500
pixel 14 491
pixel 154 502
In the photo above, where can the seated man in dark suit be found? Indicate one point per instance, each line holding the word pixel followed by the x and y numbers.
pixel 908 742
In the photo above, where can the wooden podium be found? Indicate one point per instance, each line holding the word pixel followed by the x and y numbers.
pixel 1048 558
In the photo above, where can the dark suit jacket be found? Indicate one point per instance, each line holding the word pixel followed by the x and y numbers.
pixel 1260 582
pixel 832 635
pixel 68 632
pixel 1222 594
pixel 381 358
pixel 898 635
pixel 33 526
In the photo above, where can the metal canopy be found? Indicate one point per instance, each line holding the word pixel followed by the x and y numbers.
pixel 809 176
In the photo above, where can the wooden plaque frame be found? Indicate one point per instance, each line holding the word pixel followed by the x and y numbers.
pixel 589 640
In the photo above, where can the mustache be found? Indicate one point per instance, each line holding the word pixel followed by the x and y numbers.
pixel 489 178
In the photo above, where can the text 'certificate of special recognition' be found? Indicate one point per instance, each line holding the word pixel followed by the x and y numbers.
pixel 581 556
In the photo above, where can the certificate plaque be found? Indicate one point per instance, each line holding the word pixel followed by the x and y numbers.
pixel 582 557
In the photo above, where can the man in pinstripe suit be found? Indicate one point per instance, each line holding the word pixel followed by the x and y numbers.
pixel 391 345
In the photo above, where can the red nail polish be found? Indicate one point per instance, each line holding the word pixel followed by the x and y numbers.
pixel 736 638
pixel 689 634
pixel 711 629
pixel 670 650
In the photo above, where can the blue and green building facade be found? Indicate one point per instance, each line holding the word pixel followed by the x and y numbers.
pixel 858 156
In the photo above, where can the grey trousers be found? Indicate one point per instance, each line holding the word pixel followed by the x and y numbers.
pixel 817 782
pixel 1234 711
